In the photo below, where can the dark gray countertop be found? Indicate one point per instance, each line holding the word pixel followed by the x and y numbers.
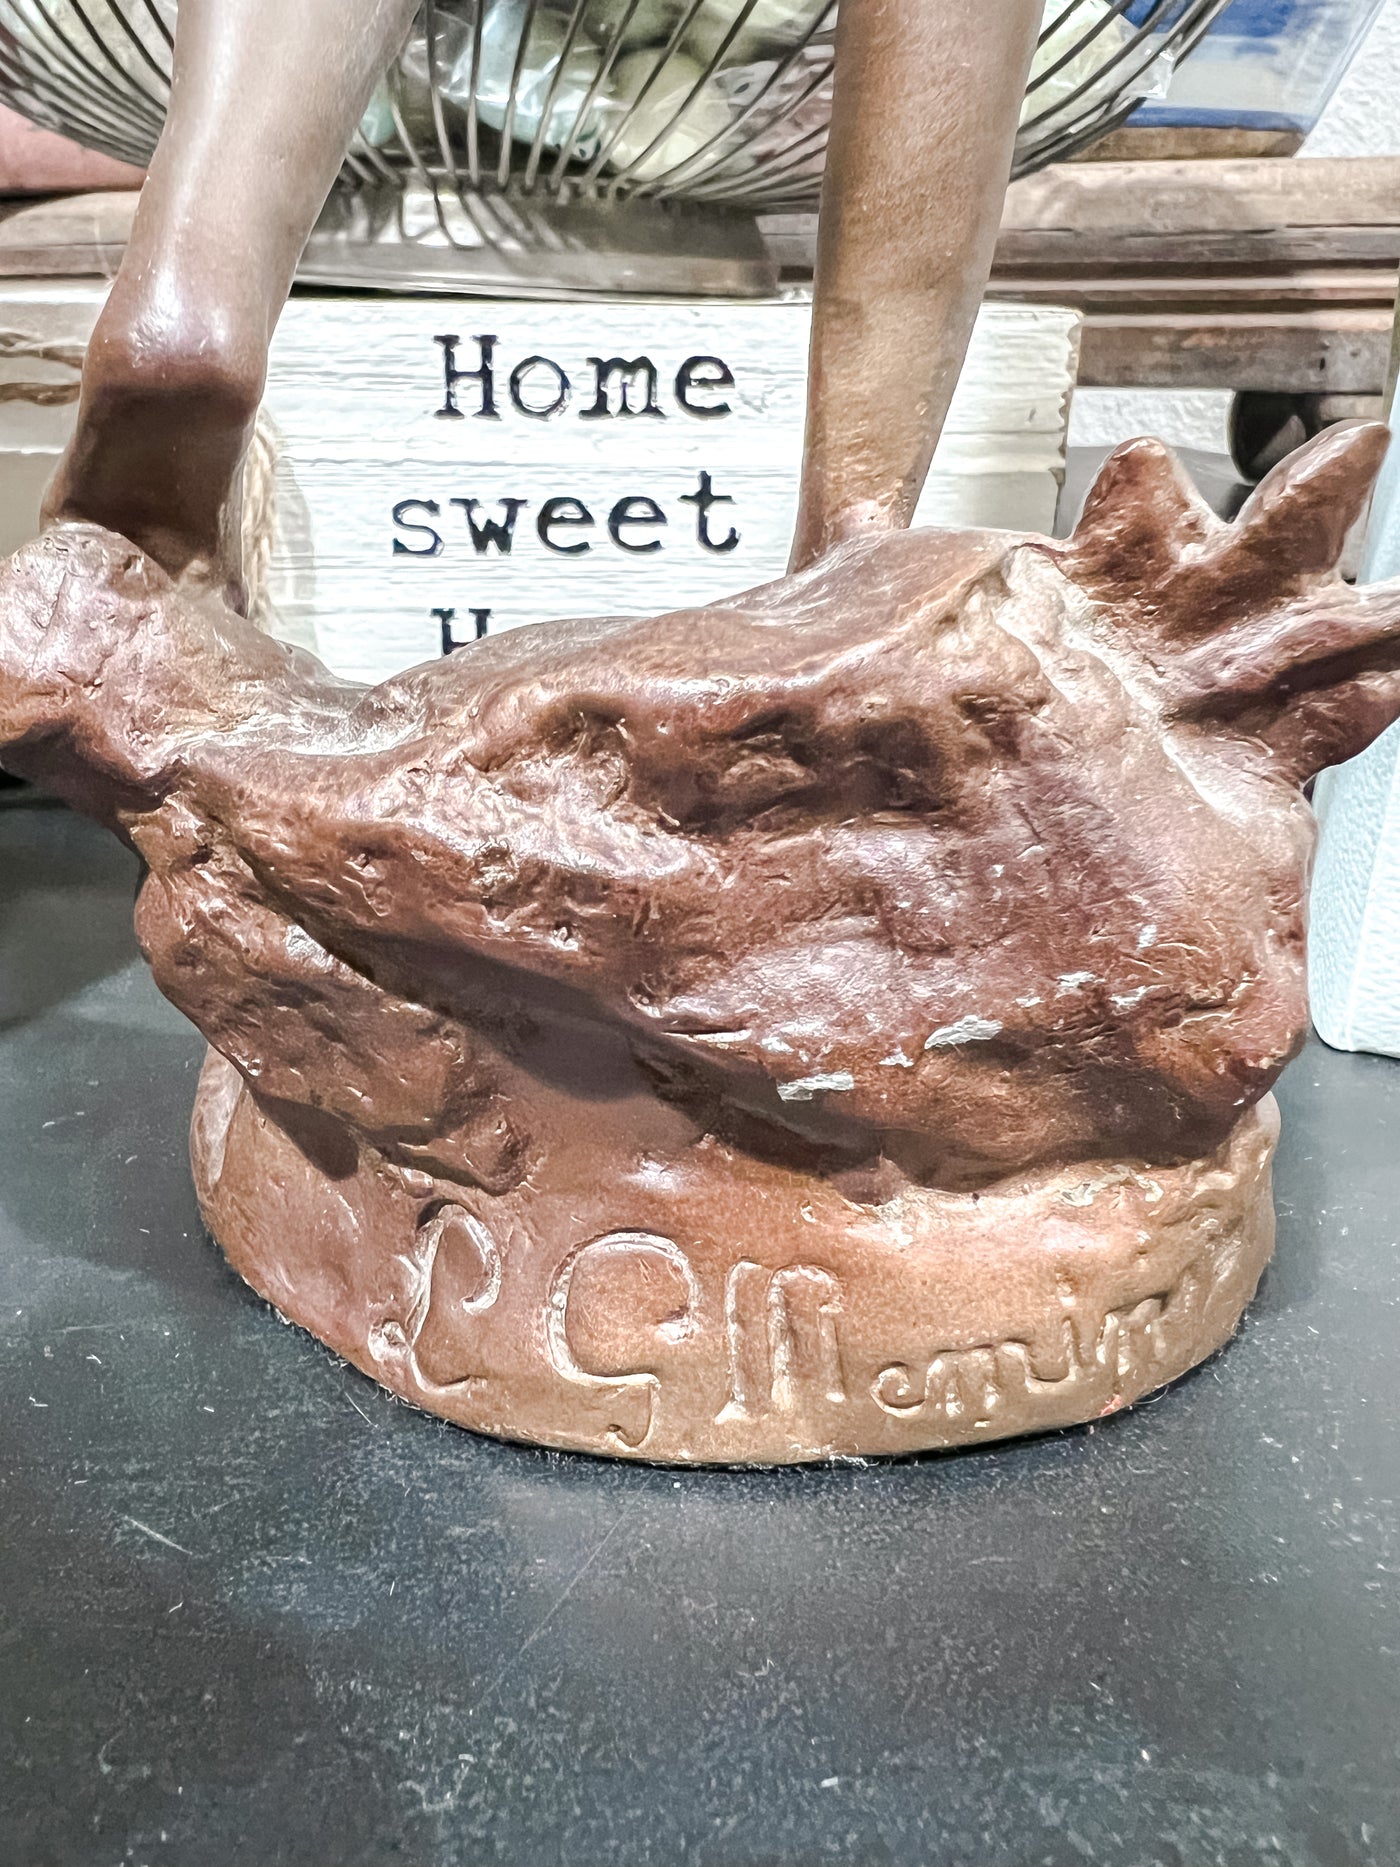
pixel 253 1610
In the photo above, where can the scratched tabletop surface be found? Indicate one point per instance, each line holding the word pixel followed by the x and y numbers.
pixel 253 1610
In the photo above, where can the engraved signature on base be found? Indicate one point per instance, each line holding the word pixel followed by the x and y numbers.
pixel 969 1385
pixel 622 1307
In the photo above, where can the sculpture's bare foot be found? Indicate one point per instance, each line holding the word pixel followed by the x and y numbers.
pixel 166 417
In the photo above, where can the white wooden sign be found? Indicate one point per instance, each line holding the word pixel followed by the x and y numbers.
pixel 448 467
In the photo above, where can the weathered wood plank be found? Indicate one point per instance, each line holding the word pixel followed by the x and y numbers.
pixel 1055 250
pixel 71 236
pixel 1172 198
pixel 1368 286
pixel 1342 351
pixel 1337 206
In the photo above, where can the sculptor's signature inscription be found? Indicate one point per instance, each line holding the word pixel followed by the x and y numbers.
pixel 625 1314
pixel 617 1316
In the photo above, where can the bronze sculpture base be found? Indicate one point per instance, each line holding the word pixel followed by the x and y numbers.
pixel 833 1021
pixel 836 1022
pixel 608 1311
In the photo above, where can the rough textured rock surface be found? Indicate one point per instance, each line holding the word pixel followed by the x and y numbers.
pixel 837 1022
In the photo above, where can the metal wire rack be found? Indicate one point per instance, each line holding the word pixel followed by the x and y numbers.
pixel 497 111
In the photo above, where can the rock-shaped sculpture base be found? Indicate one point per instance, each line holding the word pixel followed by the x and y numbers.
pixel 840 1021
pixel 840 1330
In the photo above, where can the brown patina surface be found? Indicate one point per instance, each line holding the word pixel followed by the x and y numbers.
pixel 836 1022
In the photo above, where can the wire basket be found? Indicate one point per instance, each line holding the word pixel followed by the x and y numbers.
pixel 498 111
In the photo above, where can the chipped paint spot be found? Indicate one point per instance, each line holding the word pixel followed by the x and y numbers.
pixel 1072 982
pixel 806 1087
pixel 968 1030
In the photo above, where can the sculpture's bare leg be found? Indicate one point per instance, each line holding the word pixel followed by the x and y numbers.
pixel 927 98
pixel 265 98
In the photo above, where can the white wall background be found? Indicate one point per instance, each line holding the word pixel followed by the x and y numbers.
pixel 1362 119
